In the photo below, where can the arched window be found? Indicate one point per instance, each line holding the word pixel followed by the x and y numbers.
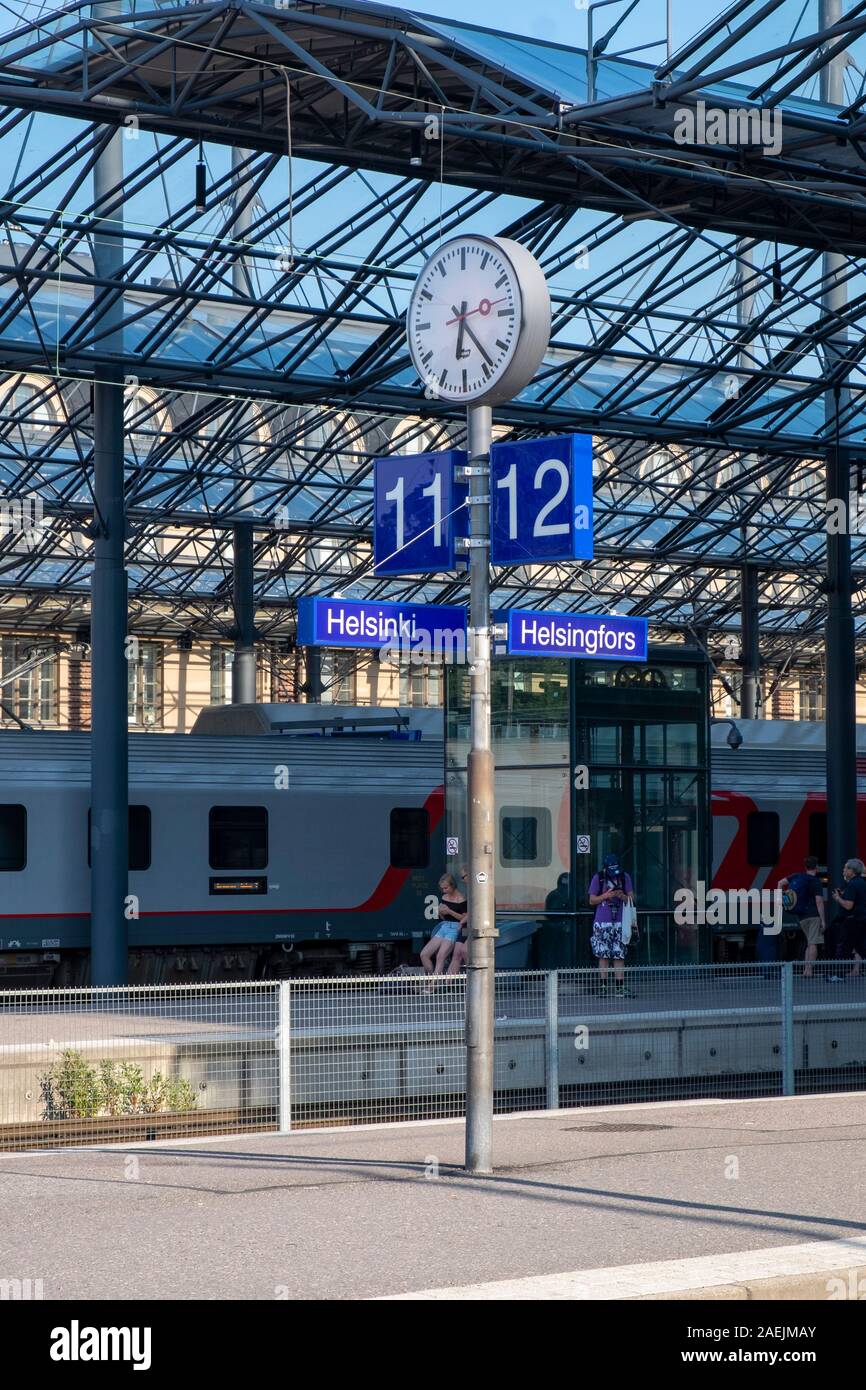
pixel 238 425
pixel 30 404
pixel 416 436
pixel 145 420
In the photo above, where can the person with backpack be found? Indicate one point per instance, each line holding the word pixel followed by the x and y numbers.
pixel 808 909
pixel 611 888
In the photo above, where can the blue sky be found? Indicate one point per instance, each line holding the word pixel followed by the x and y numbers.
pixel 562 21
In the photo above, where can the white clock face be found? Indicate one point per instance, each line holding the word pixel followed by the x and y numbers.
pixel 465 319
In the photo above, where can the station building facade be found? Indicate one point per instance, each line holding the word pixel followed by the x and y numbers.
pixel 170 681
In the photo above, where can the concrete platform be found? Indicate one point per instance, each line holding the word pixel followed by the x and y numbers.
pixel 593 1203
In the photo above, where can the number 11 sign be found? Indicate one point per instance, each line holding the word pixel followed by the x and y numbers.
pixel 419 512
pixel 541 500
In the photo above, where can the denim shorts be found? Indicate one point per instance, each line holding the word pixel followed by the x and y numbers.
pixel 447 930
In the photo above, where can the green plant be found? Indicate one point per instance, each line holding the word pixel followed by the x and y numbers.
pixel 73 1089
pixel 70 1089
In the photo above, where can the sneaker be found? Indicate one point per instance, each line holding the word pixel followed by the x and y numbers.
pixel 623 992
pixel 835 979
pixel 604 989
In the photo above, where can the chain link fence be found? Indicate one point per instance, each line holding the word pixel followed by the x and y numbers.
pixel 86 1066
pixel 81 1066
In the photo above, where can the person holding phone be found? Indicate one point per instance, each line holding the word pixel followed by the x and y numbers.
pixel 452 912
pixel 609 890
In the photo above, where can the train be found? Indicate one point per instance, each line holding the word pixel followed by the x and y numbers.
pixel 247 858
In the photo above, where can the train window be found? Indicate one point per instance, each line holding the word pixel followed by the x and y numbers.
pixel 519 839
pixel 238 837
pixel 524 835
pixel 13 838
pixel 818 836
pixel 138 824
pixel 762 839
pixel 410 838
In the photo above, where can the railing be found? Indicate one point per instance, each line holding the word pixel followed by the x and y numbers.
pixel 87 1066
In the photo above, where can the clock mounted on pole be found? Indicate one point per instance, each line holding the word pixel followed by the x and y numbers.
pixel 478 326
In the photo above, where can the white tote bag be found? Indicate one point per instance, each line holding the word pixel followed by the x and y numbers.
pixel 629 921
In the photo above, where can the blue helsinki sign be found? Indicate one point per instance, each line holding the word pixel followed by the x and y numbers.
pixel 576 634
pixel 541 500
pixel 402 628
pixel 419 512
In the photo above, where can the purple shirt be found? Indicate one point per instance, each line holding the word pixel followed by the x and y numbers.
pixel 610 911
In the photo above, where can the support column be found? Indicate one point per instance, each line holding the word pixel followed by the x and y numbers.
pixel 109 793
pixel 314 675
pixel 750 653
pixel 244 666
pixel 840 668
pixel 480 982
pixel 750 657
pixel 242 286
pixel 840 716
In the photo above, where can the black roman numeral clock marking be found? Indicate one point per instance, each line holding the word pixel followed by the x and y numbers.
pixel 474 305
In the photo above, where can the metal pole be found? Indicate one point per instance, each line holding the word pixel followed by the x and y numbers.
pixel 480 983
pixel 840 713
pixel 788 1028
pixel 314 675
pixel 552 1039
pixel 750 694
pixel 284 1056
pixel 244 666
pixel 109 794
pixel 243 288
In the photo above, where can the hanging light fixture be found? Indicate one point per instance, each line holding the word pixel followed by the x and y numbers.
pixel 200 181
pixel 777 279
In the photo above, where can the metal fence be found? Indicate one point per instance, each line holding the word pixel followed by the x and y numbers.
pixel 86 1066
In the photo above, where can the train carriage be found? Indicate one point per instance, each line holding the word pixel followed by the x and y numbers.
pixel 248 858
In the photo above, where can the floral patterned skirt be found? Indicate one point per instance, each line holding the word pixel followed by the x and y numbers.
pixel 606 941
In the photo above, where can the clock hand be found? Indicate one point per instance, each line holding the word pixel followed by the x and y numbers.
pixel 462 316
pixel 483 308
pixel 480 346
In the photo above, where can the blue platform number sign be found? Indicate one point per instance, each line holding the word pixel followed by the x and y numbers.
pixel 541 500
pixel 418 512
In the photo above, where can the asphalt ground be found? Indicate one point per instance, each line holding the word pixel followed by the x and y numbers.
pixel 376 1212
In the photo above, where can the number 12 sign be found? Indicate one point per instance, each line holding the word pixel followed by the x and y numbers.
pixel 541 500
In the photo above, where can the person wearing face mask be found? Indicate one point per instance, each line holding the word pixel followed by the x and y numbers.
pixel 610 889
